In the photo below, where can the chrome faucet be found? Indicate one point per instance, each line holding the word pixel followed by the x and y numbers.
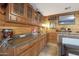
pixel 4 42
pixel 7 35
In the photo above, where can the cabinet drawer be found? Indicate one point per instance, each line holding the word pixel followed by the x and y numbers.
pixel 3 52
pixel 21 49
pixel 35 49
pixel 27 52
pixel 6 52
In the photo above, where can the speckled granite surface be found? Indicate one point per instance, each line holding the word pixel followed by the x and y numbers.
pixel 25 40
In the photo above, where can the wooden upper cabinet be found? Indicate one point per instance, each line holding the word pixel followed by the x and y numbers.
pixel 34 21
pixel 16 13
pixel 3 7
pixel 29 13
pixel 17 9
pixel 39 17
pixel 33 16
pixel 22 13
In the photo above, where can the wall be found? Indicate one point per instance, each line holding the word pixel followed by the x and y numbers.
pixel 52 33
pixel 17 28
pixel 74 27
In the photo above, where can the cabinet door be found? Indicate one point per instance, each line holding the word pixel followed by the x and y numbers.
pixel 16 13
pixel 27 52
pixel 38 18
pixel 40 44
pixel 29 13
pixel 20 50
pixel 6 51
pixel 3 7
pixel 12 18
pixel 52 37
pixel 35 18
pixel 44 41
pixel 32 51
pixel 35 49
pixel 21 20
pixel 17 9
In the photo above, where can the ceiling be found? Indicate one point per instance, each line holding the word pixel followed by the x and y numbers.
pixel 55 8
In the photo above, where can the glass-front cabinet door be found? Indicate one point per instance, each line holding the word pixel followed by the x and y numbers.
pixel 29 13
pixel 16 13
pixel 17 9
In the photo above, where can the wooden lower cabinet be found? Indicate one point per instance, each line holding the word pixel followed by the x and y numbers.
pixel 6 52
pixel 21 49
pixel 32 51
pixel 36 48
pixel 52 37
pixel 27 50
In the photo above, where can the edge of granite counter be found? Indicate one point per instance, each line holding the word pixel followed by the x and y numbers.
pixel 27 40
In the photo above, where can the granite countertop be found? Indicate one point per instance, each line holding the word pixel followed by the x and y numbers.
pixel 28 40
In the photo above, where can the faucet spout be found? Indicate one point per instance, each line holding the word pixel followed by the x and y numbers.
pixel 4 43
